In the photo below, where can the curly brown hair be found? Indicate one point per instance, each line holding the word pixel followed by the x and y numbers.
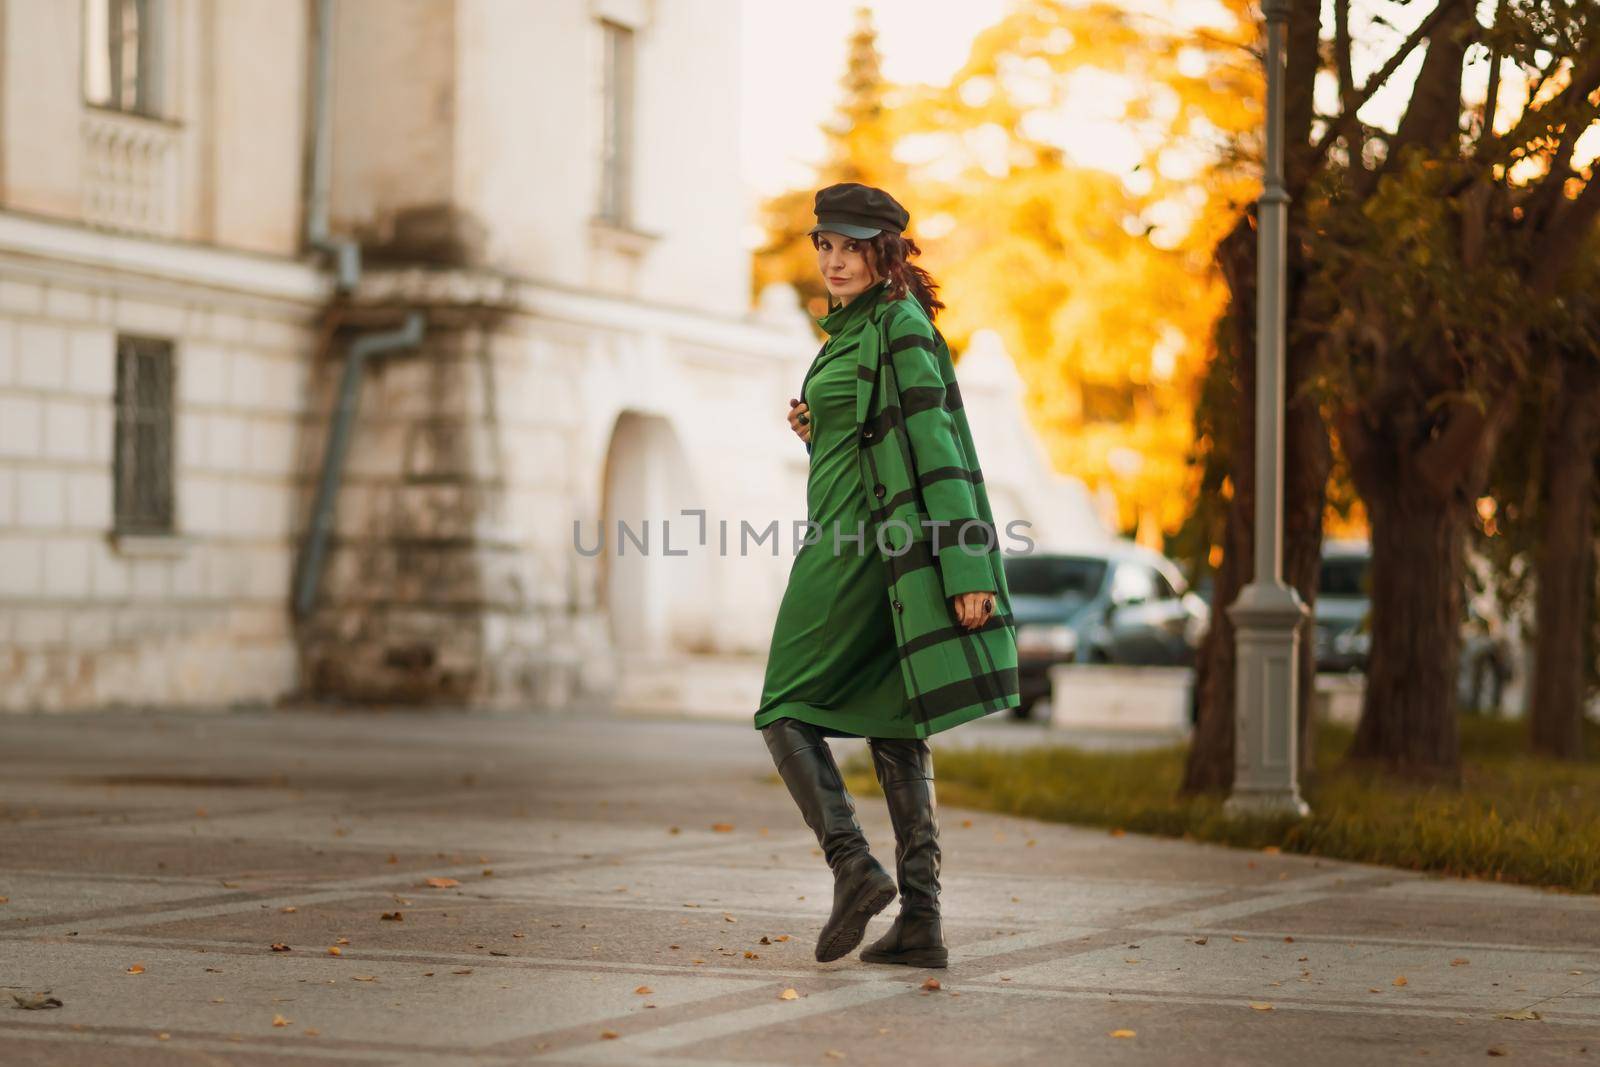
pixel 889 256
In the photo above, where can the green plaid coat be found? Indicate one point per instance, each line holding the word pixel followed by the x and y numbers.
pixel 918 461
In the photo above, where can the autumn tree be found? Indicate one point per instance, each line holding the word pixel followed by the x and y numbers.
pixel 1539 517
pixel 859 149
pixel 1420 257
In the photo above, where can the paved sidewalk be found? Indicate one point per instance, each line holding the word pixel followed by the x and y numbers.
pixel 602 918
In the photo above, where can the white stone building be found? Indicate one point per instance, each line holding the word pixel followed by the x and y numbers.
pixel 550 192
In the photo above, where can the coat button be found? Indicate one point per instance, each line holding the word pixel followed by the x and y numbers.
pixel 866 435
pixel 897 605
pixel 877 491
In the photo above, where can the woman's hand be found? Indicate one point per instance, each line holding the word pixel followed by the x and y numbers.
pixel 969 608
pixel 800 426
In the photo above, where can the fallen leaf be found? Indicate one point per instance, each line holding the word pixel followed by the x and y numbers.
pixel 442 883
pixel 1521 1015
pixel 288 909
pixel 497 952
pixel 609 1034
pixel 765 940
pixel 333 950
pixel 364 977
pixel 392 858
pixel 781 937
pixel 1460 961
pixel 730 918
pixel 341 941
pixel 1496 1050
pixel 722 827
pixel 833 1054
pixel 750 955
pixel 278 1020
pixel 312 1031
pixel 932 983
pixel 393 917
pixel 1122 1033
pixel 137 968
pixel 1200 940
pixel 1401 980
pixel 1236 937
pixel 462 970
pixel 644 989
pixel 1256 1005
pixel 279 946
pixel 1117 831
pixel 789 994
pixel 36 1001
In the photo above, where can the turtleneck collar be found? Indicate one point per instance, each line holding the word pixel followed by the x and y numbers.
pixel 840 317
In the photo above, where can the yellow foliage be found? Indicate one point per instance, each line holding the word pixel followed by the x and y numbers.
pixel 1100 284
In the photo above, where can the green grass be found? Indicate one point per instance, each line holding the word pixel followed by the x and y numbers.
pixel 1516 818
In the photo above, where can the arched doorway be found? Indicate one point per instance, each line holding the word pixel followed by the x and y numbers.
pixel 656 604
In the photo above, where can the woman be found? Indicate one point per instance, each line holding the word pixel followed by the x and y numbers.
pixel 892 627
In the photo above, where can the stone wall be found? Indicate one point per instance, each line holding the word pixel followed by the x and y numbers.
pixel 433 593
pixel 197 618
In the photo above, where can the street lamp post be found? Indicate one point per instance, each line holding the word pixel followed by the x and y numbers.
pixel 1268 613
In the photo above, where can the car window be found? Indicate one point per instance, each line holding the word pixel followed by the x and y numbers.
pixel 1055 576
pixel 1164 590
pixel 1133 581
pixel 1343 576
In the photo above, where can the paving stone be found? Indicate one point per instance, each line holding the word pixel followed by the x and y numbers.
pixel 180 841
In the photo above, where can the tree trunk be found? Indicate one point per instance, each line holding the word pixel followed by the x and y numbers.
pixel 1209 766
pixel 1564 554
pixel 1408 715
pixel 1307 462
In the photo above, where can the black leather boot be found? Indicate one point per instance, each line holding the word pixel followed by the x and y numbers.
pixel 905 770
pixel 861 887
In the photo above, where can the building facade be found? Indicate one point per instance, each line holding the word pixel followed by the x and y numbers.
pixel 334 333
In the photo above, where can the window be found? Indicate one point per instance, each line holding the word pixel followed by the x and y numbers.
pixel 120 47
pixel 1134 583
pixel 1164 589
pixel 142 465
pixel 616 173
pixel 1055 576
pixel 1343 576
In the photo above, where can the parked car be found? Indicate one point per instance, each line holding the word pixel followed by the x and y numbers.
pixel 1340 629
pixel 1343 629
pixel 1122 604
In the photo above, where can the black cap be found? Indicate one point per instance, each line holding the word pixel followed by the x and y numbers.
pixel 857 210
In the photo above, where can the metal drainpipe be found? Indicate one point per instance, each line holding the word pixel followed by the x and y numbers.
pixel 347 256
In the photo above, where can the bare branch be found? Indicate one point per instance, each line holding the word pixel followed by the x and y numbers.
pixel 1348 119
pixel 1433 114
pixel 1491 99
pixel 1569 225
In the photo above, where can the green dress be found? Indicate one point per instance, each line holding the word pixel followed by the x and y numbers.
pixel 834 661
